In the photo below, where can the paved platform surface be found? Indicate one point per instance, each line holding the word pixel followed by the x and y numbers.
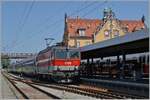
pixel 6 91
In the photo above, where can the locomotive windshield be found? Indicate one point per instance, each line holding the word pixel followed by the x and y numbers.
pixel 74 54
pixel 64 54
pixel 61 54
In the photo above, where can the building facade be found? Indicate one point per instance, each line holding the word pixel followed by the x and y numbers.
pixel 79 32
pixel 113 27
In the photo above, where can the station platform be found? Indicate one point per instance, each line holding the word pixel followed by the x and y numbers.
pixel 125 79
pixel 123 82
pixel 6 89
pixel 130 87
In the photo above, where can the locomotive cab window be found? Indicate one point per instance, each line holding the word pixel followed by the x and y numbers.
pixel 74 54
pixel 61 54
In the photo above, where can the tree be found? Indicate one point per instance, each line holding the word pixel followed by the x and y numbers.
pixel 5 62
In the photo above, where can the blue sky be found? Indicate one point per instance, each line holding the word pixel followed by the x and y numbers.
pixel 24 27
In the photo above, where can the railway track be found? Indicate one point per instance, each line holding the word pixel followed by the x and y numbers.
pixel 111 93
pixel 84 90
pixel 64 88
pixel 29 91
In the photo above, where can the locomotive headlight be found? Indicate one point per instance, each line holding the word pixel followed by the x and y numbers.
pixel 75 68
pixel 58 68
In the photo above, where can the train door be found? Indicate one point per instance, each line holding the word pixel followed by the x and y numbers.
pixel 145 66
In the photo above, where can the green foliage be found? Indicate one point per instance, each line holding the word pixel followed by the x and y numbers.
pixel 5 62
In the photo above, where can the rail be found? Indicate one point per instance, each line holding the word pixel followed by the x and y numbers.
pixel 14 80
pixel 86 91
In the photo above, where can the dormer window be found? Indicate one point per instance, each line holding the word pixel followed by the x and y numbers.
pixel 81 32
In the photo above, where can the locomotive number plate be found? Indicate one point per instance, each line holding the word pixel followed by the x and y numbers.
pixel 68 63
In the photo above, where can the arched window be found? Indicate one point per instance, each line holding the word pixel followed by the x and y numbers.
pixel 106 33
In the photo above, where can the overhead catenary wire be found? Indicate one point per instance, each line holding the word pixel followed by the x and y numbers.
pixel 23 22
pixel 27 15
pixel 56 22
pixel 14 43
pixel 78 10
pixel 53 24
pixel 83 8
pixel 31 36
pixel 19 25
pixel 93 9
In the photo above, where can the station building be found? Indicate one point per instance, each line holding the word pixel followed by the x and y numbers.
pixel 79 32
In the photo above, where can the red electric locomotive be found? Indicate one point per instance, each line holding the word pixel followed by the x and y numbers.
pixel 58 63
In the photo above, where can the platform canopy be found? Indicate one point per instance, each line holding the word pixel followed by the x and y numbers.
pixel 131 43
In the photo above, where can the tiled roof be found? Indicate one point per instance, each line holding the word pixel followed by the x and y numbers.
pixel 90 25
pixel 132 24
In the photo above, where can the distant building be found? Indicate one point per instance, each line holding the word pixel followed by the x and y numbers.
pixel 80 32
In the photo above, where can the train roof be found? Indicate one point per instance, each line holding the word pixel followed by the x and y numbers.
pixel 55 47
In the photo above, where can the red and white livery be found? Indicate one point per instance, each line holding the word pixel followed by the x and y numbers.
pixel 59 63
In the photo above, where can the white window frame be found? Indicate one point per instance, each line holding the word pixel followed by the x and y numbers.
pixel 78 44
pixel 81 32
